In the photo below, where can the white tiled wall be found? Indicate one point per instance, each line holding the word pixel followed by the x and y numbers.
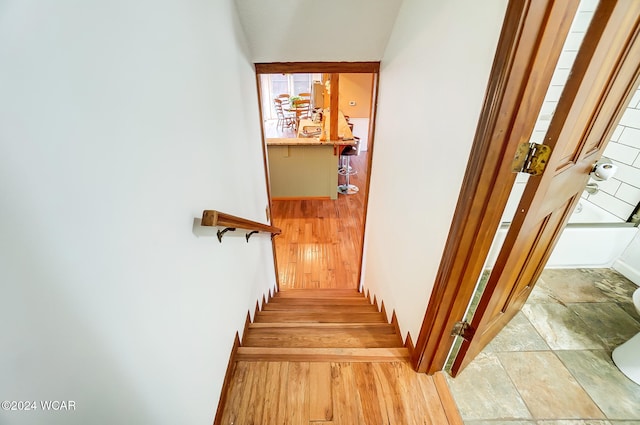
pixel 621 194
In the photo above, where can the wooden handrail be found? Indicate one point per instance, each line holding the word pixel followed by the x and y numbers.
pixel 230 222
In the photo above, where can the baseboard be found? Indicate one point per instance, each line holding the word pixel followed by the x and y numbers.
pixel 627 271
pixel 300 198
pixel 226 385
pixel 408 343
pixel 247 322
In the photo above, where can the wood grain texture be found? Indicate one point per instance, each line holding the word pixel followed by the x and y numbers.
pixel 321 241
pixel 320 393
pixel 334 393
pixel 310 372
pixel 529 45
pixel 228 376
pixel 449 406
pixel 317 67
pixel 217 218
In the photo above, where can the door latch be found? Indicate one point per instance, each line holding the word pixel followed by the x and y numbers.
pixel 463 329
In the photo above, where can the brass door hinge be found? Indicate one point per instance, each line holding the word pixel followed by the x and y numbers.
pixel 531 158
pixel 463 329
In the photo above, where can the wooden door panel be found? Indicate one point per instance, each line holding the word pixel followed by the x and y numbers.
pixel 549 229
pixel 602 79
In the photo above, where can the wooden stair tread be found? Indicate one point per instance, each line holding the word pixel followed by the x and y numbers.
pixel 318 325
pixel 329 317
pixel 315 293
pixel 315 308
pixel 308 336
pixel 320 301
pixel 322 354
pixel 309 329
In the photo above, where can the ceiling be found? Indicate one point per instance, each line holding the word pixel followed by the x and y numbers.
pixel 317 30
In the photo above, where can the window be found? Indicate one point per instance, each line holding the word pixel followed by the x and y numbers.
pixel 277 84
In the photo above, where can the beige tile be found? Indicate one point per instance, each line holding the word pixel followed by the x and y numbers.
pixel 484 391
pixel 574 285
pixel 613 284
pixel 608 321
pixel 518 335
pixel 547 387
pixel 617 396
pixel 542 293
pixel 500 423
pixel 561 328
pixel 574 422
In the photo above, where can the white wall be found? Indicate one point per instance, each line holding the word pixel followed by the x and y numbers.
pixel 629 262
pixel 119 123
pixel 327 30
pixel 433 79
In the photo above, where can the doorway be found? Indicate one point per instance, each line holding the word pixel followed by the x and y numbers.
pixel 599 86
pixel 322 240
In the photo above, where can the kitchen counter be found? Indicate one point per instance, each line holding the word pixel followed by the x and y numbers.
pixel 306 167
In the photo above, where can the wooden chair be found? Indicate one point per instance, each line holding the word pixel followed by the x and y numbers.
pixel 303 108
pixel 284 98
pixel 284 119
pixel 305 95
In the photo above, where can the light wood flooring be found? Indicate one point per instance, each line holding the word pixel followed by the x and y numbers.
pixel 321 241
pixel 329 356
pixel 332 393
pixel 320 352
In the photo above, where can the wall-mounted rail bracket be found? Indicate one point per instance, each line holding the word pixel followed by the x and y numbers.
pixel 231 223
pixel 222 232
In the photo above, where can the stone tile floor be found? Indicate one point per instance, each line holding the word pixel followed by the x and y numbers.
pixel 552 364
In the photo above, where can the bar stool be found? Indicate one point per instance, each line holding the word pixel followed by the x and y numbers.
pixel 347 153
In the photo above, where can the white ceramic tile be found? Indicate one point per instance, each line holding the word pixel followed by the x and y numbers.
pixel 635 100
pixel 566 60
pixel 610 186
pixel 629 194
pixel 588 5
pixel 627 173
pixel 613 205
pixel 553 93
pixel 573 41
pixel 631 118
pixel 616 133
pixel 630 136
pixel 622 153
pixel 581 21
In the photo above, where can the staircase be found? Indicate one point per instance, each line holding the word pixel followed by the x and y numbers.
pixel 328 356
pixel 321 325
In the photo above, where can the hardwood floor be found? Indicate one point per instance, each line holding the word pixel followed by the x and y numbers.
pixel 319 352
pixel 332 393
pixel 329 356
pixel 321 241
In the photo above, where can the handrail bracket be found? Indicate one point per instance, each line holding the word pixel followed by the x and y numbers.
pixel 222 232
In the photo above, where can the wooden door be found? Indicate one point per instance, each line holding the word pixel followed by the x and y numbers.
pixel 601 82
